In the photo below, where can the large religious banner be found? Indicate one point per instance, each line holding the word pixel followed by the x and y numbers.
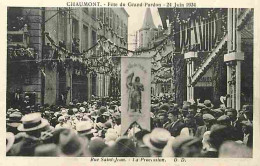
pixel 135 92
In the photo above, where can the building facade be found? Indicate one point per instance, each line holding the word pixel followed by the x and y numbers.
pixel 51 67
pixel 216 50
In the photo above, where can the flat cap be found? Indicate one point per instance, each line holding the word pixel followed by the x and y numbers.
pixel 208 117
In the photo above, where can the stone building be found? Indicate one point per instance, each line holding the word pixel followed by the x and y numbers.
pixel 38 70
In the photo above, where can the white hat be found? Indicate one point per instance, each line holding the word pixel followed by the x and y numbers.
pixel 63 111
pixel 157 139
pixel 61 119
pixel 82 109
pixel 32 122
pixel 85 128
pixel 75 110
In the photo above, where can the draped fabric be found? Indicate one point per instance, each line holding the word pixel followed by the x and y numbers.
pixel 199 32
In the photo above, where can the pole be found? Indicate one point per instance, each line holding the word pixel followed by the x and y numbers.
pixel 43 43
pixel 238 85
pixel 188 75
pixel 134 138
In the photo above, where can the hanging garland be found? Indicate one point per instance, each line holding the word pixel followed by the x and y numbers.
pixel 18 53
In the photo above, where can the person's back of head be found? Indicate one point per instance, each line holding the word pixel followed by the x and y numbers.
pixel 219 134
pixel 231 149
pixel 124 147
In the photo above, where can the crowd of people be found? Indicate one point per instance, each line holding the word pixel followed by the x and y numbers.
pixel 93 129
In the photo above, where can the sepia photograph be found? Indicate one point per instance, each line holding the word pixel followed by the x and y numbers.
pixel 160 81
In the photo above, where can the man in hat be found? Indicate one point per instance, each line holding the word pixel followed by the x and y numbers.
pixel 174 125
pixel 164 107
pixel 13 122
pixel 247 128
pixel 192 110
pixel 72 145
pixel 248 112
pixel 232 113
pixel 47 150
pixel 101 116
pixel 26 102
pixel 96 146
pixel 231 149
pixel 16 99
pixel 190 124
pixel 208 104
pixel 224 120
pixel 161 119
pixel 208 122
pixel 185 108
pixel 85 129
pixel 156 141
pixel 123 147
pixel 207 149
pixel 32 124
pixel 61 123
pixel 116 120
pixel 218 135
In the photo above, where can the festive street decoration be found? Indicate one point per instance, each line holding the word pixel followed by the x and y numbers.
pixel 98 58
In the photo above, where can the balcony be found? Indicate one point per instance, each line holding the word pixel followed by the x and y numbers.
pixel 20 37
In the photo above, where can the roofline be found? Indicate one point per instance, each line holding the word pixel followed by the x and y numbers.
pixel 123 9
pixel 156 29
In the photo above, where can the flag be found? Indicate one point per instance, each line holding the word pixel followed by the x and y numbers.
pixel 135 92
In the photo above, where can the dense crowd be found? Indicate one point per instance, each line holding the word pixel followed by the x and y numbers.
pixel 94 129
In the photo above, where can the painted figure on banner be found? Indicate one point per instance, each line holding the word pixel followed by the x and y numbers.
pixel 134 93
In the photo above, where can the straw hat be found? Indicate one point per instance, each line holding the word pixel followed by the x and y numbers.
pixel 32 122
pixel 208 117
pixel 157 139
pixel 82 109
pixel 14 119
pixel 85 128
pixel 208 104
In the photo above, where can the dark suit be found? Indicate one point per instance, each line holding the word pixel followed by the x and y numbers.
pixel 210 154
pixel 174 127
pixel 25 147
pixel 142 151
pixel 16 100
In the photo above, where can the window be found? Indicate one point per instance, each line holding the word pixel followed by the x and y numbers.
pixel 86 10
pixel 94 40
pixel 94 13
pixel 122 28
pixel 117 24
pixel 85 38
pixel 75 28
pixel 94 84
pixel 114 21
pixel 110 17
pixel 106 15
pixel 125 32
pixel 63 26
pixel 94 37
pixel 101 14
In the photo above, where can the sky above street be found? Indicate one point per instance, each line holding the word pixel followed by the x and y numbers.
pixel 135 22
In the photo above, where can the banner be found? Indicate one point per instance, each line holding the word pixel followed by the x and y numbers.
pixel 135 92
